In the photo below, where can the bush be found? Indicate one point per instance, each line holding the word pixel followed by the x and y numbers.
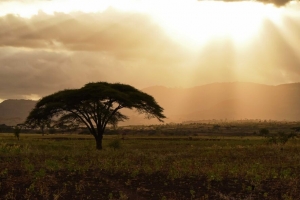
pixel 115 144
pixel 17 132
pixel 264 132
pixel 280 138
pixel 283 138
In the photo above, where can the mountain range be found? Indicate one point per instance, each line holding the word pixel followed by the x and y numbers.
pixel 232 101
pixel 15 111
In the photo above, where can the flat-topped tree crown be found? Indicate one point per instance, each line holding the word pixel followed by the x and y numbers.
pixel 95 105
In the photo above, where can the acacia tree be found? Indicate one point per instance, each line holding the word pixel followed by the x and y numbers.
pixel 95 105
pixel 37 119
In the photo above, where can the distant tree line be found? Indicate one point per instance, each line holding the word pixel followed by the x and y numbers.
pixel 6 129
pixel 11 129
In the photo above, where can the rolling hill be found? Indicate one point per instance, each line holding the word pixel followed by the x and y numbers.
pixel 230 101
pixel 14 111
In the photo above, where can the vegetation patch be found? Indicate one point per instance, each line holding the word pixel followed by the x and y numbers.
pixel 159 166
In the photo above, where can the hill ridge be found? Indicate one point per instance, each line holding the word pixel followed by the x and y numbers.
pixel 220 100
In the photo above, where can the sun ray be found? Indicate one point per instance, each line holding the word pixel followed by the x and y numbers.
pixel 290 29
pixel 190 23
pixel 209 19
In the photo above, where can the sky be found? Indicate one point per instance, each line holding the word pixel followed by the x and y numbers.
pixel 51 45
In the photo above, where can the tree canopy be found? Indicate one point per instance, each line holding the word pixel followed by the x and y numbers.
pixel 95 105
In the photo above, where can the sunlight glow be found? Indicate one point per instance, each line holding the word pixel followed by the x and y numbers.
pixel 188 22
pixel 34 97
pixel 196 23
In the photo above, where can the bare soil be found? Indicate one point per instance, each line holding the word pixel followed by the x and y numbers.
pixel 93 184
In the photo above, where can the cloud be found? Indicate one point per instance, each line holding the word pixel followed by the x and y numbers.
pixel 125 35
pixel 275 2
pixel 46 53
pixel 27 1
pixel 278 3
pixel 38 72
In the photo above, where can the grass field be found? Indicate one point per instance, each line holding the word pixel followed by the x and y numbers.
pixel 67 166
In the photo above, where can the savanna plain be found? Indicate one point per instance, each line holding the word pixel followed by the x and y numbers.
pixel 204 160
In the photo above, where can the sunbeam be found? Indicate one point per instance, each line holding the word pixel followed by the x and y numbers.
pixel 182 43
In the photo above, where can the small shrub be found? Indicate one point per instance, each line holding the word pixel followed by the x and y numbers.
pixel 216 127
pixel 52 131
pixel 283 138
pixel 115 144
pixel 264 132
pixel 17 132
pixel 280 138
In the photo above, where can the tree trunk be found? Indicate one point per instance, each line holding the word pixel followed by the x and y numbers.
pixel 99 143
